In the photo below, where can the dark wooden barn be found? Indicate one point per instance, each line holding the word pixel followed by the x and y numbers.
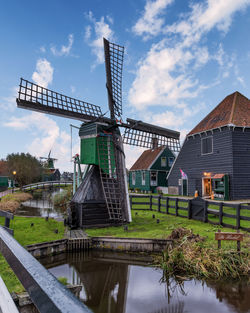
pixel 150 170
pixel 215 155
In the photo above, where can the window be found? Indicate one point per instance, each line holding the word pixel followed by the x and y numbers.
pixel 207 145
pixel 170 161
pixel 133 178
pixel 153 178
pixel 163 162
pixel 143 181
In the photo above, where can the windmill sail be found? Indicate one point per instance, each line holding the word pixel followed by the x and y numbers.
pixel 142 134
pixel 114 62
pixel 37 98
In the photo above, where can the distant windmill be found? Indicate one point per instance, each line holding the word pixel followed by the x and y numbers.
pixel 102 198
pixel 49 161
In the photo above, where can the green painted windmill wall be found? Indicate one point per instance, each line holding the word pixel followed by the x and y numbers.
pixel 96 137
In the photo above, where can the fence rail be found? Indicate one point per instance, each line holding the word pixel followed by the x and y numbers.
pixel 217 213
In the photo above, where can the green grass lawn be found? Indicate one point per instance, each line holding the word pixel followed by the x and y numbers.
pixel 144 226
pixel 41 231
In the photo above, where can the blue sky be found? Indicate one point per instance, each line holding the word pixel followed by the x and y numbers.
pixel 181 59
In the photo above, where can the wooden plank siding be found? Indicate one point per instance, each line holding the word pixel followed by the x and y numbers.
pixel 241 163
pixel 194 164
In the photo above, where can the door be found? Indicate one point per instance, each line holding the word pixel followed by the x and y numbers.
pixel 184 187
pixel 206 187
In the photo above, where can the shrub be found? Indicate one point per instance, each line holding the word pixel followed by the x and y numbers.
pixel 9 206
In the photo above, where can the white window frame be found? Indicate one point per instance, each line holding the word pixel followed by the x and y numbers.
pixel 143 178
pixel 156 181
pixel 133 178
pixel 212 145
pixel 165 164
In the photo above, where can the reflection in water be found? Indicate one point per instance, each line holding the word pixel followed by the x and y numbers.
pixel 41 205
pixel 122 283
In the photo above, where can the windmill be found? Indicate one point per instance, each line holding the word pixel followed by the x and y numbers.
pixel 49 162
pixel 102 198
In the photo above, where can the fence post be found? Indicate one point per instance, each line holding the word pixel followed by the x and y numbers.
pixel 159 203
pixel 219 241
pixel 150 202
pixel 238 207
pixel 176 206
pixel 221 213
pixel 167 204
pixel 189 209
pixel 7 222
pixel 130 200
pixel 205 212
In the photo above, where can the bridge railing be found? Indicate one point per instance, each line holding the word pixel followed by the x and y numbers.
pixel 46 184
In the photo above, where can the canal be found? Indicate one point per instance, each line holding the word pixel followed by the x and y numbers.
pixel 43 205
pixel 126 283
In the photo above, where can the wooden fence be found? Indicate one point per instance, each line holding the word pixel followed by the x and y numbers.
pixel 217 213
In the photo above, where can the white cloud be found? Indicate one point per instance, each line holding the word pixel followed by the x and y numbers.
pixel 42 49
pixel 46 136
pixel 73 89
pixel 9 103
pixel 168 73
pixel 132 154
pixel 101 29
pixel 65 50
pixel 44 73
pixel 150 24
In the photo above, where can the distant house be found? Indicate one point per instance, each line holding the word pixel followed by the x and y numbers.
pixel 51 174
pixel 151 169
pixel 215 155
pixel 4 176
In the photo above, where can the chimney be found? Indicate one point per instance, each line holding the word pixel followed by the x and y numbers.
pixel 154 143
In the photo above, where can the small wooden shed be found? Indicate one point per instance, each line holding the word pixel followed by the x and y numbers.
pixel 151 169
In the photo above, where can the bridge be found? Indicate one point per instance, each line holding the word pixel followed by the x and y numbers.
pixel 46 184
pixel 40 185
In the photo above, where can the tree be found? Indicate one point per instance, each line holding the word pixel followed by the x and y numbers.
pixel 28 168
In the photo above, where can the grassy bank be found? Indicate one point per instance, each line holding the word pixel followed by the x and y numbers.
pixel 191 255
pixel 28 231
pixel 144 226
pixel 12 201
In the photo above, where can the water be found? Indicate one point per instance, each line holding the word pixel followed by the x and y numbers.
pixel 41 205
pixel 122 283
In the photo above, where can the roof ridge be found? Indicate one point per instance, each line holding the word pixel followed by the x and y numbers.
pixel 233 108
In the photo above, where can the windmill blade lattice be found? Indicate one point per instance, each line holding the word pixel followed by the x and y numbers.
pixel 142 134
pixel 114 62
pixel 34 97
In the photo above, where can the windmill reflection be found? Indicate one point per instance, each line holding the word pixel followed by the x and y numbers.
pixel 121 283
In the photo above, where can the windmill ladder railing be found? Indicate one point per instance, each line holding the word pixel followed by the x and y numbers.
pixel 220 213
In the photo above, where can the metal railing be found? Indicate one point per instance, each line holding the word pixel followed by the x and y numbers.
pixel 46 292
pixel 8 216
